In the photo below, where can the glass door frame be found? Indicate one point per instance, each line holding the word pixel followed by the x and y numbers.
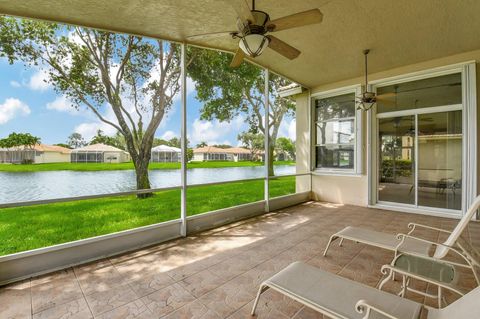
pixel 469 142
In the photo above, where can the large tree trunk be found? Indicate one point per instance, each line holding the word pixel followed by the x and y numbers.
pixel 141 171
pixel 271 171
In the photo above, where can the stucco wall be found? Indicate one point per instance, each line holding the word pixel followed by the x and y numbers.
pixel 52 157
pixel 354 189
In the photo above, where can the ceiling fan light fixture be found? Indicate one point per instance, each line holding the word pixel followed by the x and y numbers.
pixel 253 44
pixel 368 99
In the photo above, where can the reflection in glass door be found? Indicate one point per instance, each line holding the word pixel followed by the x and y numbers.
pixel 397 159
pixel 420 160
pixel 440 160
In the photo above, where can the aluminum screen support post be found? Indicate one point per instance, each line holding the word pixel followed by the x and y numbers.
pixel 183 92
pixel 267 139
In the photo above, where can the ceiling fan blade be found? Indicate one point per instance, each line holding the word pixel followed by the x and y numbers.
pixel 237 58
pixel 296 20
pixel 242 9
pixel 281 47
pixel 205 36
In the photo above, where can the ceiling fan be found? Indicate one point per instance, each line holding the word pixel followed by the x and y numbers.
pixel 254 28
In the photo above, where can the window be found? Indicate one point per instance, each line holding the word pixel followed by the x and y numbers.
pixel 336 132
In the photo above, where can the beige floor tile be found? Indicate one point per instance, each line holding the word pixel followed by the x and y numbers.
pixel 77 309
pixel 100 278
pixel 133 310
pixel 225 300
pixel 103 301
pixel 150 283
pixel 54 292
pixel 15 301
pixel 168 299
pixel 308 313
pixel 202 282
pixel 193 310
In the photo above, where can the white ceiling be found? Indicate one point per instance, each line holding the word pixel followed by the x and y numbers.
pixel 399 32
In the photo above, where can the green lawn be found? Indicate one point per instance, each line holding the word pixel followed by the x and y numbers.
pixel 30 227
pixel 123 166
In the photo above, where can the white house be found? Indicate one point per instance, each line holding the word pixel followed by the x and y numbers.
pixel 99 153
pixel 38 154
pixel 165 153
pixel 212 153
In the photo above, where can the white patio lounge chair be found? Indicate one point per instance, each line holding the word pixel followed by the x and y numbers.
pixel 409 244
pixel 341 298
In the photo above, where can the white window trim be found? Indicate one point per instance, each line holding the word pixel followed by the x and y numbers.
pixel 358 143
pixel 469 153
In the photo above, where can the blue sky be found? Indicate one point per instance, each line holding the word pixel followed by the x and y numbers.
pixel 28 104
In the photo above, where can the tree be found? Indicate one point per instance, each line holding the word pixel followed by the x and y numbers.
pixel 202 144
pixel 222 145
pixel 286 146
pixel 189 154
pixel 175 142
pixel 75 140
pixel 116 141
pixel 228 92
pixel 254 142
pixel 26 140
pixel 135 78
pixel 159 141
pixel 63 145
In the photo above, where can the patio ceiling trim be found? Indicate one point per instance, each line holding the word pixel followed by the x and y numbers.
pixel 400 33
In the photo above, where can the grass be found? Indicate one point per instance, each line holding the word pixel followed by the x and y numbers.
pixel 25 228
pixel 124 166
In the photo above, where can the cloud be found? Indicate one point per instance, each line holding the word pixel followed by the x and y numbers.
pixel 15 84
pixel 89 130
pixel 168 135
pixel 11 109
pixel 213 131
pixel 288 129
pixel 38 81
pixel 62 104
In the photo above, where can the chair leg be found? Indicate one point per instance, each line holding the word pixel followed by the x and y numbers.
pixel 341 242
pixel 332 238
pixel 405 282
pixel 439 296
pixel 261 290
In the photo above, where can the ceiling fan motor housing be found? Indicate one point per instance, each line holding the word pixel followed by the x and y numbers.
pixel 254 40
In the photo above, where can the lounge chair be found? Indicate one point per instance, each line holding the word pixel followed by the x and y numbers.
pixel 409 244
pixel 341 298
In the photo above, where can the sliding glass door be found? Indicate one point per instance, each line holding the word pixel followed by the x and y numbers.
pixel 440 160
pixel 420 143
pixel 397 159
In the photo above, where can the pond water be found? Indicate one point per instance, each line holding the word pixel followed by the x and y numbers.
pixel 27 186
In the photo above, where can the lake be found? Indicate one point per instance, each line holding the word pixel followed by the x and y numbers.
pixel 27 186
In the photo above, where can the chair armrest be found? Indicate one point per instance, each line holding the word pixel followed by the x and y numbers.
pixel 363 307
pixel 402 238
pixel 389 268
pixel 412 227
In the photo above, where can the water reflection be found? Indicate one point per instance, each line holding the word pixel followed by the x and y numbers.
pixel 16 187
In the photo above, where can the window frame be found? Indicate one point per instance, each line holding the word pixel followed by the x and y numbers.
pixel 357 129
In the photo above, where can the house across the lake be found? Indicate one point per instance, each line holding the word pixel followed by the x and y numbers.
pixel 165 154
pixel 99 153
pixel 212 153
pixel 38 154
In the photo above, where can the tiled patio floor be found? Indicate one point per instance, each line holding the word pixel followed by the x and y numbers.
pixel 217 273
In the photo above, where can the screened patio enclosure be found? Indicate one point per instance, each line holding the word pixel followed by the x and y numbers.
pixel 16 156
pixel 403 156
pixel 166 154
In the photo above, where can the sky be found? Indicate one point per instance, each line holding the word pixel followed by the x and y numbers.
pixel 29 105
